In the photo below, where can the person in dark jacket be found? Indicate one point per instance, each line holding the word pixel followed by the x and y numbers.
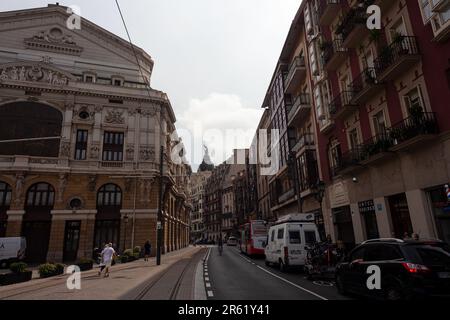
pixel 147 250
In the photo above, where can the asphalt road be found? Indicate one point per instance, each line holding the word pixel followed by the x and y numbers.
pixel 234 276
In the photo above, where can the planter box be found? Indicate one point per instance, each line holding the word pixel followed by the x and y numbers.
pixel 85 266
pixel 54 274
pixel 13 278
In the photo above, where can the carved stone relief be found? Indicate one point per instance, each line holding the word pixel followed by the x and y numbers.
pixel 115 117
pixel 147 154
pixel 64 151
pixel 35 73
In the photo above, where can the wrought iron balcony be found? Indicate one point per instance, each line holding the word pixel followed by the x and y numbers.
pixel 306 140
pixel 353 27
pixel 300 108
pixel 398 57
pixel 365 86
pixel 333 54
pixel 296 74
pixel 328 11
pixel 342 105
pixel 411 131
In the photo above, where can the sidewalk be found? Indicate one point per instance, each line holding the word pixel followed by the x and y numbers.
pixel 123 278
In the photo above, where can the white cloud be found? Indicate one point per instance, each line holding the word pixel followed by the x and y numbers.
pixel 219 120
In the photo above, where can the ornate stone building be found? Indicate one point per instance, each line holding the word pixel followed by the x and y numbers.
pixel 95 179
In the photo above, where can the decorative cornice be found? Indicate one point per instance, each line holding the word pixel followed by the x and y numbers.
pixel 78 92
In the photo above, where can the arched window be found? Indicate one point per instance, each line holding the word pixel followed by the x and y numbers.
pixel 110 195
pixel 5 194
pixel 41 195
pixel 27 119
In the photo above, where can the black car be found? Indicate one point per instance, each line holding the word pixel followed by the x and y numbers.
pixel 409 269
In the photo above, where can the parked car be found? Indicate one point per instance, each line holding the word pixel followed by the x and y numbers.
pixel 289 239
pixel 409 269
pixel 12 250
pixel 232 242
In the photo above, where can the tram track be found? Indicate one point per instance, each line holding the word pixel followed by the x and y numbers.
pixel 167 285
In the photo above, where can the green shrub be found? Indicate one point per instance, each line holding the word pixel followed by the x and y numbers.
pixel 18 267
pixel 47 270
pixel 137 249
pixel 128 253
pixel 60 268
pixel 137 255
pixel 123 259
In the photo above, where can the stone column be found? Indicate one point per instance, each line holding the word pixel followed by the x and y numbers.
pixel 421 215
pixel 14 224
pixel 358 225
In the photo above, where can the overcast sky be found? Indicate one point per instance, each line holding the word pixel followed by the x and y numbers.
pixel 214 58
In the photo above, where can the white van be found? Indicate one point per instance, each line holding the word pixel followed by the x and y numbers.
pixel 288 239
pixel 11 250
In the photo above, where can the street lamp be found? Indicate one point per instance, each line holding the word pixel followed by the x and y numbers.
pixel 125 221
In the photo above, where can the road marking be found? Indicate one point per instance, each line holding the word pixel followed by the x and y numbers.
pixel 206 275
pixel 324 283
pixel 285 280
pixel 291 283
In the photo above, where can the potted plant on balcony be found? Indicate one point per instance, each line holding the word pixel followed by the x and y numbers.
pixel 369 76
pixel 375 35
pixel 19 273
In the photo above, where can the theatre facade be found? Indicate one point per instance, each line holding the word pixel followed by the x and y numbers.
pixel 94 178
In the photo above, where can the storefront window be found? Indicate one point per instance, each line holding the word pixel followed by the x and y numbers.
pixel 441 210
pixel 367 210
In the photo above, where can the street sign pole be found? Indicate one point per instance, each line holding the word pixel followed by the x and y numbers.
pixel 159 223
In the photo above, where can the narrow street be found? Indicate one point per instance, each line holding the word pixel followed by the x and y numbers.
pixel 234 276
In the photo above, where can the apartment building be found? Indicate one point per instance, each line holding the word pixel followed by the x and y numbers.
pixel 289 109
pixel 368 110
pixel 381 100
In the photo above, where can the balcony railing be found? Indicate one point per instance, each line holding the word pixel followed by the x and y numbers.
pixel 424 123
pixel 397 57
pixel 306 140
pixel 342 104
pixel 392 139
pixel 302 103
pixel 328 10
pixel 365 85
pixel 286 196
pixel 112 164
pixel 297 72
pixel 333 53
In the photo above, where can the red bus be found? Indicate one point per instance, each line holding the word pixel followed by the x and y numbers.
pixel 253 237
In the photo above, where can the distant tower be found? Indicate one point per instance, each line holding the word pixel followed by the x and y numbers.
pixel 207 164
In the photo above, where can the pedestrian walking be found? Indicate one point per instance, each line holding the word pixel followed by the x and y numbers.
pixel 108 255
pixel 147 250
